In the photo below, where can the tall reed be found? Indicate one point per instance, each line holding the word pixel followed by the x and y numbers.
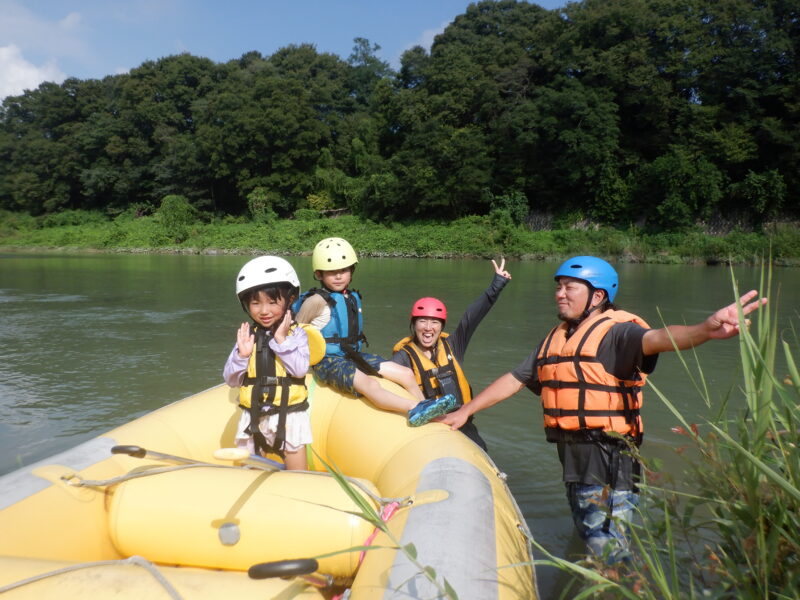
pixel 731 527
pixel 444 590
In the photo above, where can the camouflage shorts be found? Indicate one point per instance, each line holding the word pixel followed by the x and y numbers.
pixel 338 372
pixel 602 517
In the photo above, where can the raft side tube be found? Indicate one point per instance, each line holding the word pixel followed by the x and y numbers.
pixel 233 518
pixel 23 483
pixel 408 462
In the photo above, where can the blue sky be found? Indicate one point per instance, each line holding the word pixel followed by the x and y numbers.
pixel 49 40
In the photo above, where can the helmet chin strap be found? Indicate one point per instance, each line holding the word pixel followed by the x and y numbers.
pixel 573 324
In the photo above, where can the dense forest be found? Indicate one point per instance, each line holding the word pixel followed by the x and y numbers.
pixel 657 113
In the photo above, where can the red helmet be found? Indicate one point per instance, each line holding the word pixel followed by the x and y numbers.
pixel 429 307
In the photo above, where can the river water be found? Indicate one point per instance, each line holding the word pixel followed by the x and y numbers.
pixel 90 341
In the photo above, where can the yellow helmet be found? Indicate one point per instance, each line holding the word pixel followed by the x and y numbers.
pixel 332 254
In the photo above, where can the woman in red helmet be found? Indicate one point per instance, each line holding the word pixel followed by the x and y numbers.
pixel 436 356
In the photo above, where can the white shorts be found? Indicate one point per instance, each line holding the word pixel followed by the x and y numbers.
pixel 298 431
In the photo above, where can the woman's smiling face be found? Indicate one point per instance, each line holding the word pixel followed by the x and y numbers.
pixel 426 331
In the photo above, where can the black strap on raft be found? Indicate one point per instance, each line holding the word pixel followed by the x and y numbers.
pixel 265 384
pixel 628 393
pixel 359 360
pixel 445 376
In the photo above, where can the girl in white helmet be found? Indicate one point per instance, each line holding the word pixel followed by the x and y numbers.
pixel 269 362
pixel 336 310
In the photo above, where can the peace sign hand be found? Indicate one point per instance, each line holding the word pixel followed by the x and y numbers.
pixel 501 269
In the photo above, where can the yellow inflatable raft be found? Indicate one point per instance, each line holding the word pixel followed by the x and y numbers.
pixel 164 517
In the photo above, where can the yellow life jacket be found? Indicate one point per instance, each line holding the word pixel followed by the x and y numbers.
pixel 266 384
pixel 577 392
pixel 439 377
pixel 274 380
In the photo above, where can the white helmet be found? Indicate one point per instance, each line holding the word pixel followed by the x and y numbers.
pixel 264 270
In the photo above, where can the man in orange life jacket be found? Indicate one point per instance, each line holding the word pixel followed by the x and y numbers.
pixel 589 371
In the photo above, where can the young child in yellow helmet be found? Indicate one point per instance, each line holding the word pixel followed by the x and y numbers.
pixel 337 311
pixel 269 363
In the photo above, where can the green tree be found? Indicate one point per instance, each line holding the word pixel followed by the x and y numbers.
pixel 366 69
pixel 679 188
pixel 259 203
pixel 581 109
pixel 762 194
pixel 176 216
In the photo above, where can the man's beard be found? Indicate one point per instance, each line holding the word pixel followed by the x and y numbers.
pixel 563 317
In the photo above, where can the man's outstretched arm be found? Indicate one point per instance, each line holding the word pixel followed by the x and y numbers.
pixel 721 325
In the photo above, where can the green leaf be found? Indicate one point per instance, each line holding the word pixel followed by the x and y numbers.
pixel 411 550
pixel 369 512
pixel 451 593
pixel 354 549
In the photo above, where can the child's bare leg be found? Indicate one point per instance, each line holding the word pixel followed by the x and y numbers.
pixel 372 390
pixel 296 461
pixel 402 375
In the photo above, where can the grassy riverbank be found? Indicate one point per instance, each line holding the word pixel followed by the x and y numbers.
pixel 475 236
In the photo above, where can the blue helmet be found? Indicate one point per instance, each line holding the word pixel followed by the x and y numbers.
pixel 595 271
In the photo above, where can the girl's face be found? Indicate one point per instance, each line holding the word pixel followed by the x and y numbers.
pixel 336 281
pixel 426 331
pixel 266 311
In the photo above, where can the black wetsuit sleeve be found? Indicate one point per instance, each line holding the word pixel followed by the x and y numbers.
pixel 473 315
pixel 526 373
pixel 620 352
pixel 401 358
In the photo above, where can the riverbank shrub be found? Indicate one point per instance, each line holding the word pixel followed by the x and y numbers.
pixel 13 222
pixel 730 526
pixel 784 240
pixel 515 203
pixel 72 217
pixel 177 216
pixel 260 203
pixel 176 226
pixel 307 214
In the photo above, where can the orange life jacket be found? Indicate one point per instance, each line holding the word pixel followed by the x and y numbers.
pixel 577 392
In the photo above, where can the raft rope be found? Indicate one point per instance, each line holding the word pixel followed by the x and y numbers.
pixel 522 526
pixel 76 480
pixel 380 500
pixel 387 512
pixel 133 560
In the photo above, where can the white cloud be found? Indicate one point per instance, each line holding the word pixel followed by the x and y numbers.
pixel 425 40
pixel 18 75
pixel 71 21
pixel 41 35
